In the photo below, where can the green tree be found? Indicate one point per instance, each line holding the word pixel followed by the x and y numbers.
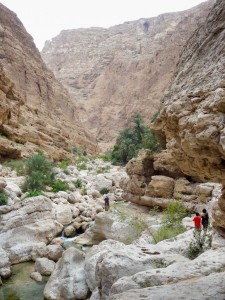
pixel 131 140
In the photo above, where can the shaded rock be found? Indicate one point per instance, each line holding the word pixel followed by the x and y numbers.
pixel 160 187
pixel 54 252
pixel 70 231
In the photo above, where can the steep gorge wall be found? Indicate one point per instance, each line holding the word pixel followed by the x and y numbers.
pixel 192 115
pixel 117 72
pixel 35 109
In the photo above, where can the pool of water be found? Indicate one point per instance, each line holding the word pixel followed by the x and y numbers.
pixel 20 286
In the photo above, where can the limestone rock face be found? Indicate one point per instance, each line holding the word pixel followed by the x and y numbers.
pixel 208 287
pixel 193 112
pixel 116 72
pixel 181 275
pixel 35 109
pixel 161 186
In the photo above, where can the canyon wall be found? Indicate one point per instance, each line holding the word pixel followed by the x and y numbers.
pixel 192 115
pixel 114 73
pixel 35 109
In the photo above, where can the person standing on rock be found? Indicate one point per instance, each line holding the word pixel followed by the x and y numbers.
pixel 205 220
pixel 106 199
pixel 197 222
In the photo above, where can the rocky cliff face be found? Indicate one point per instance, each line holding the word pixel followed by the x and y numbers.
pixel 35 109
pixel 114 73
pixel 193 110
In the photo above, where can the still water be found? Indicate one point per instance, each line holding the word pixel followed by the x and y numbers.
pixel 20 286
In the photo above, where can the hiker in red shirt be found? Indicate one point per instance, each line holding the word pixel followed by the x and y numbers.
pixel 197 221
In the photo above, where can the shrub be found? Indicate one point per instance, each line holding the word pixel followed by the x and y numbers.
pixel 78 183
pixel 63 164
pixel 39 173
pixel 81 159
pixel 82 167
pixel 83 191
pixel 3 198
pixel 174 214
pixel 106 157
pixel 164 233
pixel 171 222
pixel 104 191
pixel 35 182
pixel 33 194
pixel 60 185
pixel 198 245
pixel 99 171
pixel 79 151
pixel 18 165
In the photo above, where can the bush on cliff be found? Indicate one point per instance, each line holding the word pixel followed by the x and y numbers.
pixel 131 140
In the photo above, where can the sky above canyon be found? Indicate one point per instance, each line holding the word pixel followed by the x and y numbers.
pixel 44 19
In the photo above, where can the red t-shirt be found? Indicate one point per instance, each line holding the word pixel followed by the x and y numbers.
pixel 197 221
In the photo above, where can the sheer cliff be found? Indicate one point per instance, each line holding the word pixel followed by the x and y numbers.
pixel 192 115
pixel 114 73
pixel 35 109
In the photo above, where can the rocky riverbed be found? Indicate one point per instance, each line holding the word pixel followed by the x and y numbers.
pixel 121 260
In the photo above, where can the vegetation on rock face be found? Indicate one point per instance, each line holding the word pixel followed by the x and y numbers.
pixel 79 151
pixel 3 198
pixel 131 140
pixel 171 222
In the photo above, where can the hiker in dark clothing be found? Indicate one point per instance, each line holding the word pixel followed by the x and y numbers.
pixel 205 220
pixel 106 199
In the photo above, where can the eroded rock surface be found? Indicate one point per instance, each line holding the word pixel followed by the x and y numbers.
pixel 192 113
pixel 114 73
pixel 35 111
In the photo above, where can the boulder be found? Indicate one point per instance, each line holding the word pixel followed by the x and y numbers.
pixel 38 250
pixel 103 182
pixel 44 266
pixel 68 279
pixel 36 276
pixel 160 187
pixel 54 252
pixel 5 265
pixel 63 214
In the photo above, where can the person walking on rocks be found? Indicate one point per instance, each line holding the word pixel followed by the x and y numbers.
pixel 197 222
pixel 205 220
pixel 106 199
